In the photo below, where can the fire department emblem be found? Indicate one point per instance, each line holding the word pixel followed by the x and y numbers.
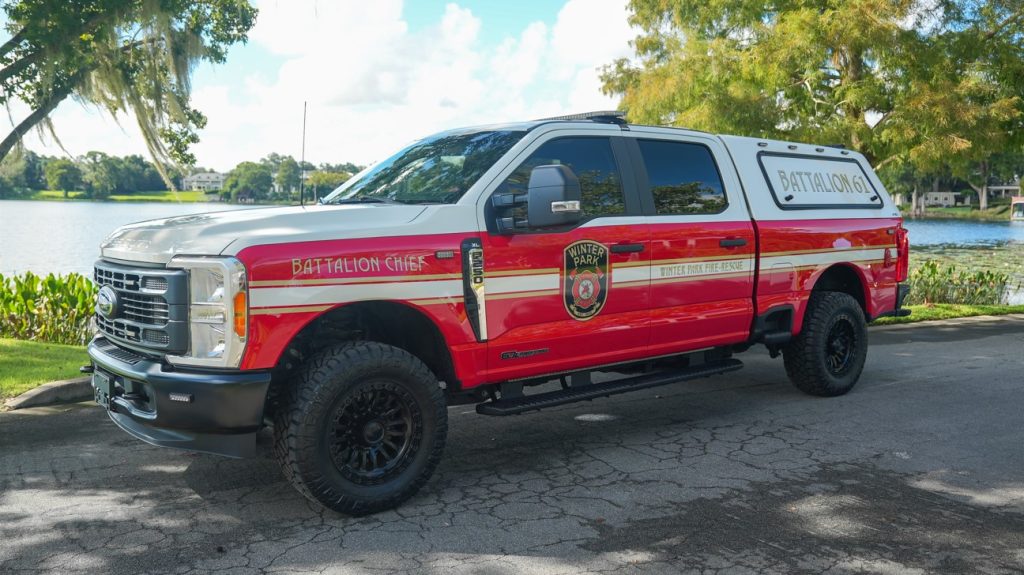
pixel 585 279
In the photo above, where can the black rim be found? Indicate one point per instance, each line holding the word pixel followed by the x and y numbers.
pixel 840 346
pixel 373 432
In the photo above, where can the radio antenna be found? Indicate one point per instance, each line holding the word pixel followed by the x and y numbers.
pixel 302 161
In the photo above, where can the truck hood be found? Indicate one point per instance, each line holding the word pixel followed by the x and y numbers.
pixel 157 241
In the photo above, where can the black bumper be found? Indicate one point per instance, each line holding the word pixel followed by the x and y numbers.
pixel 214 412
pixel 901 294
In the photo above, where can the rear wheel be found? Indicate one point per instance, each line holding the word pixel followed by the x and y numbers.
pixel 828 356
pixel 362 428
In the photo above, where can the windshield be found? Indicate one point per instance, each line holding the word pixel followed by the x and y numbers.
pixel 435 170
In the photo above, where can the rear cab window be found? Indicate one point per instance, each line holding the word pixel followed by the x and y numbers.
pixel 682 177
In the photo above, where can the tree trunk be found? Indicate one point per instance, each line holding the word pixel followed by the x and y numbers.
pixel 915 202
pixel 983 192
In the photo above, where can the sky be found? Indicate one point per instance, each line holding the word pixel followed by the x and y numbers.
pixel 377 75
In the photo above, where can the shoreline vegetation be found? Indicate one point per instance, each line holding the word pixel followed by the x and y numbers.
pixel 162 196
pixel 996 213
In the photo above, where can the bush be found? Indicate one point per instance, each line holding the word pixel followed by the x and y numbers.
pixel 932 283
pixel 54 309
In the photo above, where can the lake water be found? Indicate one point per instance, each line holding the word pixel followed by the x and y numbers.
pixel 64 237
pixel 962 232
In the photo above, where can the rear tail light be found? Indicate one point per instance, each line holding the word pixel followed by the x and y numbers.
pixel 902 254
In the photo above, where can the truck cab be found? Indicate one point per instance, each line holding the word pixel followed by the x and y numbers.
pixel 475 265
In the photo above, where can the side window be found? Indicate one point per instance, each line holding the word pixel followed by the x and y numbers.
pixel 683 177
pixel 593 162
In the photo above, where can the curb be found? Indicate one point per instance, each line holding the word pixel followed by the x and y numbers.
pixel 953 321
pixel 64 391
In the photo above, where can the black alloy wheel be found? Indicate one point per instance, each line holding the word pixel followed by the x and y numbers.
pixel 361 427
pixel 841 344
pixel 827 357
pixel 374 433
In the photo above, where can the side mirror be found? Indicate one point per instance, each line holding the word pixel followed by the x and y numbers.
pixel 553 197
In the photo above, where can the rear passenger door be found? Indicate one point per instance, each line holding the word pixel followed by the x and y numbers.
pixel 702 243
pixel 562 299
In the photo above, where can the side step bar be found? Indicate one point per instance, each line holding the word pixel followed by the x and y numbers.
pixel 516 405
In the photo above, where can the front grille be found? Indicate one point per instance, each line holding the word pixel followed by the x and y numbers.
pixel 119 329
pixel 151 312
pixel 145 309
pixel 119 280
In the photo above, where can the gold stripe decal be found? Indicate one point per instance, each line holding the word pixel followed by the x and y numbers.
pixel 288 309
pixel 271 297
pixel 346 281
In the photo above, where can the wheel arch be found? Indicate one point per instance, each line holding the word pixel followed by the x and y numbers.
pixel 393 323
pixel 846 278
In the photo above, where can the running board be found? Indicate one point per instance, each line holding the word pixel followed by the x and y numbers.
pixel 513 406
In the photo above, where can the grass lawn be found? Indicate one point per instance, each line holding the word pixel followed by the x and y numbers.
pixel 26 364
pixel 156 196
pixel 948 311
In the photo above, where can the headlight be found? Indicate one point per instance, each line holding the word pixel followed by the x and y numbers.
pixel 218 311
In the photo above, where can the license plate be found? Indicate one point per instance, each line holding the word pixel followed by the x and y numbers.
pixel 103 387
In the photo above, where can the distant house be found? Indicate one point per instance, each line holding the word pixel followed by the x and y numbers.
pixel 943 199
pixel 205 181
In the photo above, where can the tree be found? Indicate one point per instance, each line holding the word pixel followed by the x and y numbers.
pixel 249 181
pixel 126 56
pixel 346 167
pixel 288 175
pixel 888 78
pixel 63 174
pixel 323 182
pixel 101 175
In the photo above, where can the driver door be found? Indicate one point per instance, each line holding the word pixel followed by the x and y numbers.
pixel 563 299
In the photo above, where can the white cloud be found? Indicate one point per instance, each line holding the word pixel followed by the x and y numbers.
pixel 372 84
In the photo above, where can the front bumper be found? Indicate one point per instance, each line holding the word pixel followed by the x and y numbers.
pixel 214 412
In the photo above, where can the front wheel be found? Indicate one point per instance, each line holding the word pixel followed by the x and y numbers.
pixel 828 356
pixel 362 428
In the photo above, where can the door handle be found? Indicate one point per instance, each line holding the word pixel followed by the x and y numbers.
pixel 627 248
pixel 732 242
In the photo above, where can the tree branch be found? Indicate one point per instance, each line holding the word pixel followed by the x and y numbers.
pixel 10 71
pixel 12 42
pixel 19 65
pixel 39 114
pixel 1006 22
pixel 879 165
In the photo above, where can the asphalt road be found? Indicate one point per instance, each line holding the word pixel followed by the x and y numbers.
pixel 919 469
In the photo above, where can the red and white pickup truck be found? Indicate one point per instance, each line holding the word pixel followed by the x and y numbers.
pixel 476 264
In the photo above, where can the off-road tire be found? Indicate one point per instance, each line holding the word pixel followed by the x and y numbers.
pixel 319 401
pixel 811 358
